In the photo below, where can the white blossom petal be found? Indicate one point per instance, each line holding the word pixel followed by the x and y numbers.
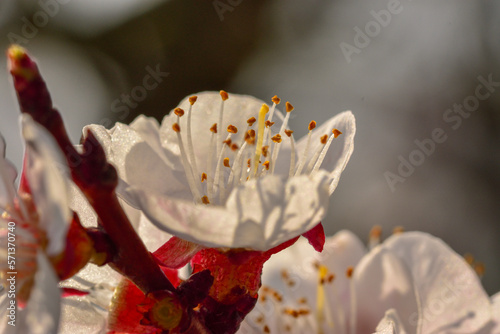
pixel 382 281
pixel 450 293
pixel 237 110
pixel 341 148
pixel 47 173
pixel 41 314
pixel 260 214
pixel 8 175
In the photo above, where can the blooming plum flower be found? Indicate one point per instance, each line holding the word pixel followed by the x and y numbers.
pixel 217 172
pixel 412 283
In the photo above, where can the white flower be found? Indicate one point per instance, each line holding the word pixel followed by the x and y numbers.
pixel 412 283
pixel 262 187
pixel 33 228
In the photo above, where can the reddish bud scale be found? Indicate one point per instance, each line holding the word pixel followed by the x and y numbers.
pixel 77 252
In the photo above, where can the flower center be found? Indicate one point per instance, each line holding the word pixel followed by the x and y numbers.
pixel 255 155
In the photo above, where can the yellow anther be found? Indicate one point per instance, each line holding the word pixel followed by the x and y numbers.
pixel 289 107
pixel 224 95
pixel 276 99
pixel 265 150
pixel 179 112
pixel 323 139
pixel 312 125
pixel 193 99
pixel 213 128
pixel 232 129
pixel 266 164
pixel 288 133
pixel 176 127
pixel 203 176
pixel 398 230
pixel 251 120
pixel 205 200
pixel 349 272
pixel 336 133
pixel 226 162
pixel 276 138
pixel 269 124
pixel 234 147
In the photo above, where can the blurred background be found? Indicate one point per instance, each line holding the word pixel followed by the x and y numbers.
pixel 407 69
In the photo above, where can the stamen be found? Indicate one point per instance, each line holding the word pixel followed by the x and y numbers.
pixel 303 159
pixel 323 310
pixel 276 148
pixel 479 268
pixel 265 150
pixel 224 96
pixel 237 166
pixel 211 154
pixel 205 200
pixel 375 236
pixel 179 112
pixel 219 175
pixel 251 120
pixel 276 138
pixel 260 137
pixel 185 163
pixel 267 131
pixel 335 134
pixel 398 230
pixel 352 289
pixel 314 159
pixel 190 146
pixel 232 129
pixel 292 156
pixel 276 99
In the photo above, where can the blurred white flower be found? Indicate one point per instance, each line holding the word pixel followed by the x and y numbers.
pixel 261 188
pixel 33 230
pixel 412 283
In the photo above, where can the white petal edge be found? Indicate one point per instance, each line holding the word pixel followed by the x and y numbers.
pixel 450 293
pixel 382 279
pixel 260 214
pixel 47 174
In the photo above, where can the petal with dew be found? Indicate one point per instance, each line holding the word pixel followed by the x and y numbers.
pixel 47 173
pixel 450 293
